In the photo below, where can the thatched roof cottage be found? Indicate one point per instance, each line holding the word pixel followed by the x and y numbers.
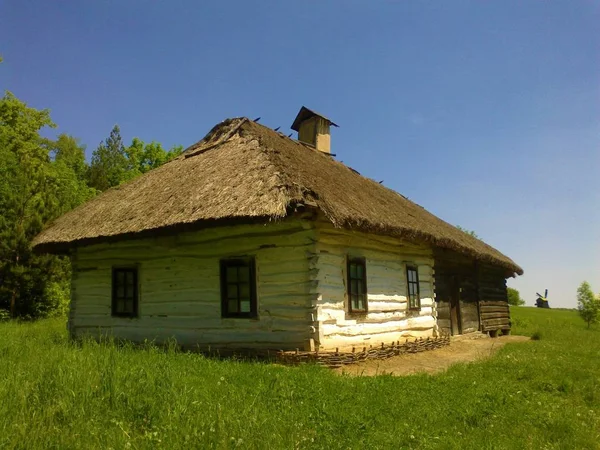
pixel 251 239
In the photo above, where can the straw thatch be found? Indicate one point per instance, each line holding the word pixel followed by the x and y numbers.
pixel 244 171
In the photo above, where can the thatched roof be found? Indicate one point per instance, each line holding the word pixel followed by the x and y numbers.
pixel 245 171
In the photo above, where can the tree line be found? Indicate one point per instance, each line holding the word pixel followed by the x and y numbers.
pixel 41 179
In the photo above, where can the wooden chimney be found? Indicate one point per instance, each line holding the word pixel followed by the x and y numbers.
pixel 313 129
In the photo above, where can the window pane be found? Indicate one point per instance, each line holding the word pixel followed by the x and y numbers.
pixel 120 306
pixel 120 290
pixel 231 274
pixel 244 289
pixel 359 271
pixel 361 302
pixel 352 271
pixel 244 273
pixel 130 278
pixel 353 287
pixel 120 278
pixel 232 306
pixel 232 291
pixel 128 306
pixel 245 306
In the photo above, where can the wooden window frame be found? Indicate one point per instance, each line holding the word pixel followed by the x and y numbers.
pixel 135 298
pixel 362 263
pixel 410 295
pixel 238 262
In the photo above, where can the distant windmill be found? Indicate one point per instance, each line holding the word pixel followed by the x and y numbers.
pixel 542 300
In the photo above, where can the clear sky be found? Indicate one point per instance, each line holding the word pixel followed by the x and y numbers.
pixel 485 113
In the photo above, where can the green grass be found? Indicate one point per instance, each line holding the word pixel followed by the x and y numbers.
pixel 533 395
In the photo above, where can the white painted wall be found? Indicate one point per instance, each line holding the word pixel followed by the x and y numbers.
pixel 301 288
pixel 388 318
pixel 179 287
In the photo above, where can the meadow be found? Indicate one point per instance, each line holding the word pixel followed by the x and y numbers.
pixel 540 394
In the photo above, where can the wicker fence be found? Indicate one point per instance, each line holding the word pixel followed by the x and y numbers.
pixel 338 359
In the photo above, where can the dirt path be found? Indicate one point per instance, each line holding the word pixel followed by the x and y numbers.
pixel 461 349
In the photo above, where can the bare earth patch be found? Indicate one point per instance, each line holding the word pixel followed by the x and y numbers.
pixel 461 349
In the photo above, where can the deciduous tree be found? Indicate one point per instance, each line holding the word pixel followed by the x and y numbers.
pixel 588 304
pixel 514 297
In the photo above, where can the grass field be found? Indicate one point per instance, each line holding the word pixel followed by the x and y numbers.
pixel 534 395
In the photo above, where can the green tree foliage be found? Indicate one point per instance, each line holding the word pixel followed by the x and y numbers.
pixel 28 199
pixel 41 179
pixel 109 162
pixel 514 298
pixel 113 163
pixel 69 173
pixel 588 304
pixel 142 157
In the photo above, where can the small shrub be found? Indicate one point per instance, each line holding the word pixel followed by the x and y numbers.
pixel 536 336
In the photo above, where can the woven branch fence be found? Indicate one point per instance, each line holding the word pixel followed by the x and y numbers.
pixel 338 359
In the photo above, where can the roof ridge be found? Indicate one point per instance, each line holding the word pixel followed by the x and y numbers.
pixel 285 183
pixel 197 148
pixel 257 172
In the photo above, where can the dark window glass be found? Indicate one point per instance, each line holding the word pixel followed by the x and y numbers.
pixel 238 288
pixel 357 285
pixel 412 277
pixel 125 292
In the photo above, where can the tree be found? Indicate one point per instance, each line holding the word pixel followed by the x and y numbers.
pixel 514 297
pixel 113 163
pixel 109 162
pixel 588 304
pixel 469 232
pixel 24 165
pixel 142 157
pixel 68 173
pixel 34 189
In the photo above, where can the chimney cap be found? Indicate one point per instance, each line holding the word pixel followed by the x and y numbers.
pixel 305 114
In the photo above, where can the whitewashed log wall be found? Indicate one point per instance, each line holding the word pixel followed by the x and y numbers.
pixel 388 318
pixel 179 287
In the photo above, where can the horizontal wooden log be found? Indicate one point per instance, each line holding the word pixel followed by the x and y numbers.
pixel 496 327
pixel 486 316
pixel 485 302
pixel 494 309
pixel 493 322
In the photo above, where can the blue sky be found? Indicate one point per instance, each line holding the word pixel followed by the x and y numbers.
pixel 485 113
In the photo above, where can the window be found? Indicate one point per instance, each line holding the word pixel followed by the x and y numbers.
pixel 125 292
pixel 357 285
pixel 412 278
pixel 238 288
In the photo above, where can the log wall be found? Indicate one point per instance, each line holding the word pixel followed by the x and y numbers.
pixel 179 287
pixel 388 318
pixel 482 291
pixel 453 271
pixel 493 295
